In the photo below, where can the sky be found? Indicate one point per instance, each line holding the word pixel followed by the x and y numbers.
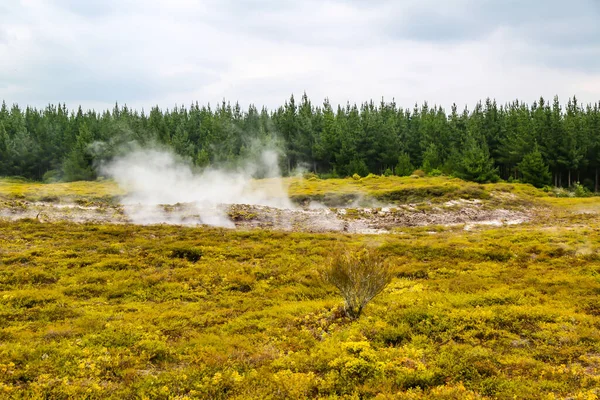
pixel 143 53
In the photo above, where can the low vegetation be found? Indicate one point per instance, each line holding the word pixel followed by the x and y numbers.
pixel 78 192
pixel 107 311
pixel 331 192
pixel 166 312
pixel 402 190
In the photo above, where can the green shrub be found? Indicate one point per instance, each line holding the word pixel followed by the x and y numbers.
pixel 359 276
pixel 580 191
pixel 404 166
pixel 534 170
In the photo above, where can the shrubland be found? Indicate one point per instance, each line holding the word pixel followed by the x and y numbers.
pixel 168 312
pixel 120 311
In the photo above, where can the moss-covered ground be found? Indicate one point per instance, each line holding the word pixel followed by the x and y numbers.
pixel 168 312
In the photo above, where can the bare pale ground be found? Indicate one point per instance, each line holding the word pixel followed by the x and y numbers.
pixel 470 213
pixel 358 210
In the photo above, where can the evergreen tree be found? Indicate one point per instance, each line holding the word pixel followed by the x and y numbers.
pixel 554 140
pixel 369 138
pixel 475 163
pixel 181 143
pixel 404 167
pixel 202 158
pixel 593 140
pixel 329 141
pixel 4 155
pixel 534 170
pixel 431 158
pixel 306 133
pixel 347 160
pixel 357 166
pixel 22 151
pixel 78 163
pixel 573 147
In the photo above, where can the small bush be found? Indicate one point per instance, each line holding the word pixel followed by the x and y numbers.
pixel 190 254
pixel 388 172
pixel 356 177
pixel 359 276
pixel 580 191
pixel 561 192
pixel 419 173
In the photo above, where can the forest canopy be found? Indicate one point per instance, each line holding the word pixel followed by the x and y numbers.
pixel 543 143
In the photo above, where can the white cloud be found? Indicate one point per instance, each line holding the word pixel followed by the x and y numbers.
pixel 153 52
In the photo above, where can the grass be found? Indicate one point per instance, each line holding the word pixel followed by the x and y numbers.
pixel 166 312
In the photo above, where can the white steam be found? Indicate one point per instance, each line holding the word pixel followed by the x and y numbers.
pixel 154 178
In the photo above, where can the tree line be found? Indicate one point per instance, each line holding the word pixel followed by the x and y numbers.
pixel 543 143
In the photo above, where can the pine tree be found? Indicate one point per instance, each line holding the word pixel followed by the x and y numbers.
pixel 22 152
pixel 330 141
pixel 431 158
pixel 593 139
pixel 306 133
pixel 475 163
pixel 181 143
pixel 534 170
pixel 404 167
pixel 357 166
pixel 387 139
pixel 572 146
pixel 368 136
pixel 202 158
pixel 348 158
pixel 376 135
pixel 4 156
pixel 78 163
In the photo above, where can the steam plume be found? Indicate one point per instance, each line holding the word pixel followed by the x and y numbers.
pixel 155 177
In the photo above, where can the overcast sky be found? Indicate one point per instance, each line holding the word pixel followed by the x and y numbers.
pixel 148 52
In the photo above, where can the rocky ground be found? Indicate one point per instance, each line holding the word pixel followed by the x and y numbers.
pixel 311 218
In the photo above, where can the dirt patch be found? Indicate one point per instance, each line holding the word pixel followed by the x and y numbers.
pixel 313 218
